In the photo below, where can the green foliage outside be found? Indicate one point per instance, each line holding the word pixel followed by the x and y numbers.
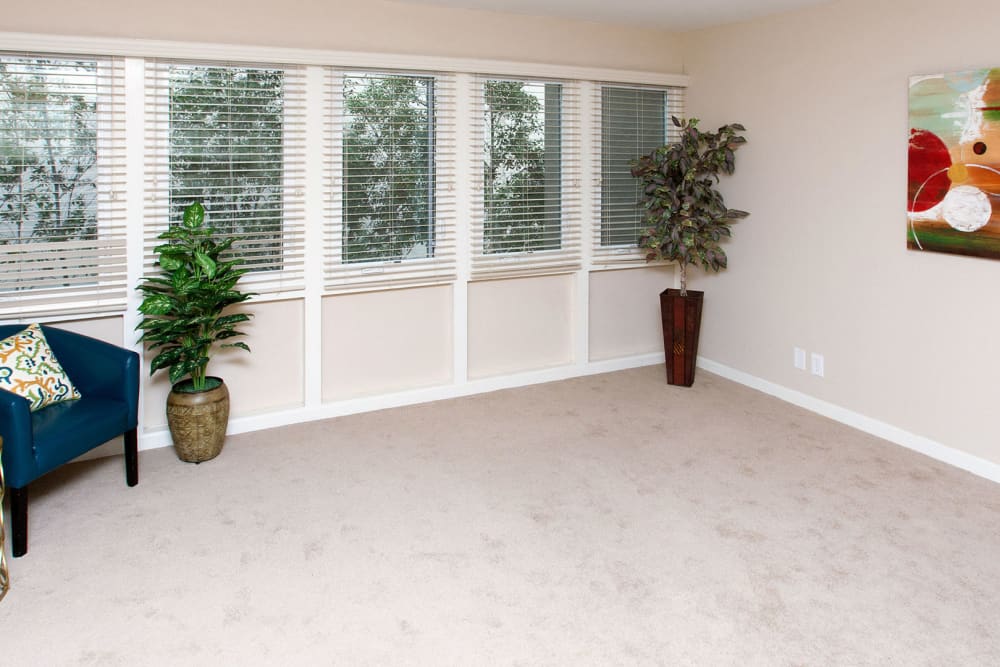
pixel 522 167
pixel 388 191
pixel 227 151
pixel 48 150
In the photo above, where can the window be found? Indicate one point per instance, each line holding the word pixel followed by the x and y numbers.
pixel 529 167
pixel 62 231
pixel 233 135
pixel 231 138
pixel 390 179
pixel 633 121
pixel 521 166
pixel 388 168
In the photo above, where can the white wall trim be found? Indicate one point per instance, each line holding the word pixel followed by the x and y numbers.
pixel 926 446
pixel 312 303
pixel 150 48
pixel 156 438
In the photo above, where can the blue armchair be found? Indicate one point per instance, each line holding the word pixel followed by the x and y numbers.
pixel 35 443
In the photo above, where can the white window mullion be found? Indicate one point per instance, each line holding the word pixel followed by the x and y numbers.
pixel 134 193
pixel 333 161
pixel 588 221
pixel 315 205
pixel 156 154
pixel 572 174
pixel 464 200
pixel 475 92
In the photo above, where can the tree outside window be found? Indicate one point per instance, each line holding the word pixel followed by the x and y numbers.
pixel 48 150
pixel 388 194
pixel 227 151
pixel 522 166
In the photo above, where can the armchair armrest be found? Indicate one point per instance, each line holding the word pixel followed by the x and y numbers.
pixel 15 429
pixel 98 368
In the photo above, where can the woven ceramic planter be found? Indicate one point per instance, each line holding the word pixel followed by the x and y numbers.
pixel 198 422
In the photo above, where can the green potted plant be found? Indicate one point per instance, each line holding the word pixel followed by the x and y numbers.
pixel 183 321
pixel 686 219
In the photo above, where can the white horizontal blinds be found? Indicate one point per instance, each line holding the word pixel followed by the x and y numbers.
pixel 62 176
pixel 630 121
pixel 231 136
pixel 526 208
pixel 390 179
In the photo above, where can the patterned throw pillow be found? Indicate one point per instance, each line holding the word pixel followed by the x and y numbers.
pixel 29 369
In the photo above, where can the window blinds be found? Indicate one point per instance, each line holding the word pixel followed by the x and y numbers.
pixel 231 136
pixel 62 178
pixel 526 177
pixel 389 180
pixel 629 122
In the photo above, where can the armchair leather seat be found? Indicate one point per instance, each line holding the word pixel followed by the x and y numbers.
pixel 36 443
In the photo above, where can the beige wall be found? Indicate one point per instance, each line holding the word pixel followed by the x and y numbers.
pixel 624 312
pixel 381 342
pixel 908 338
pixel 108 329
pixel 267 379
pixel 520 324
pixel 357 25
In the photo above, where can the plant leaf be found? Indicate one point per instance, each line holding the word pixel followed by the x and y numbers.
pixel 206 263
pixel 156 304
pixel 194 216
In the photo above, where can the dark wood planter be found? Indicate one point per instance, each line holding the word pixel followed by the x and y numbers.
pixel 198 422
pixel 681 317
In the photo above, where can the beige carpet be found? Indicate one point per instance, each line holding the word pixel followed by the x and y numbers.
pixel 609 520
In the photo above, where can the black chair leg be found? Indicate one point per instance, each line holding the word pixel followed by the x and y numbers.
pixel 19 520
pixel 131 458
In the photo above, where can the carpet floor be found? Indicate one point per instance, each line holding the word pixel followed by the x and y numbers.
pixel 605 520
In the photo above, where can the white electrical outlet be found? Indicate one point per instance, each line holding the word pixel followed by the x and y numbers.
pixel 817 364
pixel 800 358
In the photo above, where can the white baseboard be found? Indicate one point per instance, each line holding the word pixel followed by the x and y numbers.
pixel 160 437
pixel 935 450
pixel 156 438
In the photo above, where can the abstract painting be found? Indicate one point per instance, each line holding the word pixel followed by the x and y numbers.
pixel 953 200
